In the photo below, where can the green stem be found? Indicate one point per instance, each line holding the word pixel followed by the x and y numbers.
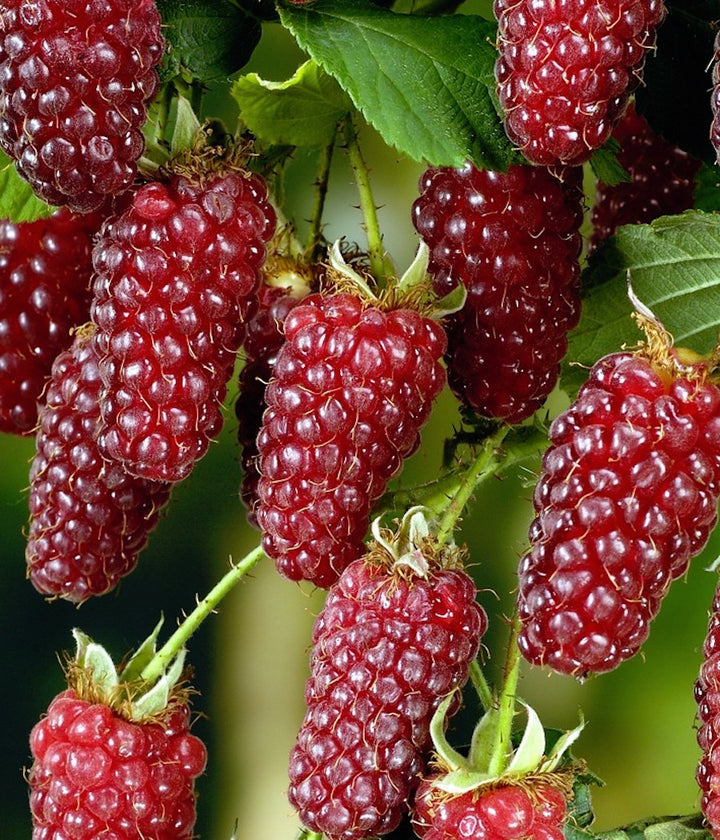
pixel 157 665
pixel 321 189
pixel 506 702
pixel 481 686
pixel 485 464
pixel 379 265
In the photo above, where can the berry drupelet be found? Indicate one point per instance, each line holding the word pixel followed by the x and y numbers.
pixel 513 240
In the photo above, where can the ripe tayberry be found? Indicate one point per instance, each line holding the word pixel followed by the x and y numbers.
pixel 662 180
pixel 388 646
pixel 97 774
pixel 89 519
pixel 75 78
pixel 627 495
pixel 45 270
pixel 351 388
pixel 177 273
pixel 513 239
pixel 494 812
pixel 264 338
pixel 565 71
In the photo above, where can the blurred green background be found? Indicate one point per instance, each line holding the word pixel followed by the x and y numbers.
pixel 250 660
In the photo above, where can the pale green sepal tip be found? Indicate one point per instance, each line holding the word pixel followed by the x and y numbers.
pixel 414 529
pixel 462 781
pixel 416 272
pixel 155 700
pixel 451 757
pixel 337 261
pixel 187 126
pixel 529 754
pixel 142 656
pixel 96 661
pixel 449 304
pixel 483 736
pixel 562 745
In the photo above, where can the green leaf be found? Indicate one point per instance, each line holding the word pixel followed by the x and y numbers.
pixel 303 111
pixel 689 827
pixel 674 264
pixel 425 83
pixel 208 38
pixel 606 167
pixel 18 202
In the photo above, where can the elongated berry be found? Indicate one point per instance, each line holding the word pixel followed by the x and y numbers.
pixel 96 774
pixel 513 240
pixel 662 180
pixel 75 80
pixel 89 519
pixel 263 340
pixel 627 495
pixel 176 276
pixel 351 388
pixel 707 697
pixel 565 71
pixel 45 271
pixel 388 646
pixel 527 811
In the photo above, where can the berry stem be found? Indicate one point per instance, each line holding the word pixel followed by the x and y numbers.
pixel 481 685
pixel 321 189
pixel 506 702
pixel 157 665
pixel 379 263
pixel 486 463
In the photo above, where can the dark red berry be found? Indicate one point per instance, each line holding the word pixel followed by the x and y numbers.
pixel 352 387
pixel 492 812
pixel 662 180
pixel 387 649
pixel 177 275
pixel 627 495
pixel 264 338
pixel 513 239
pixel 89 519
pixel 707 696
pixel 45 270
pixel 75 79
pixel 98 775
pixel 565 71
pixel 715 99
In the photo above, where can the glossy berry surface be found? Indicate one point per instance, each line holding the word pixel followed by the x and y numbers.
pixel 351 388
pixel 627 495
pixel 707 697
pixel 565 71
pixel 45 271
pixel 97 775
pixel 513 240
pixel 177 274
pixel 505 812
pixel 89 519
pixel 75 79
pixel 264 338
pixel 662 180
pixel 715 99
pixel 386 650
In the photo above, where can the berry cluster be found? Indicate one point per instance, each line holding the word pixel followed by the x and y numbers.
pixel 565 71
pixel 513 240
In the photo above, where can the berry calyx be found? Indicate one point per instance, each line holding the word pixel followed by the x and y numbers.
pixel 627 495
pixel 75 81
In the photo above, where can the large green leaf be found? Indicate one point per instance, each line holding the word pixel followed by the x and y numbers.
pixel 303 111
pixel 208 38
pixel 18 202
pixel 674 264
pixel 425 83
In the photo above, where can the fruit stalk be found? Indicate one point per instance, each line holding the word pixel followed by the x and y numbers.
pixel 209 603
pixel 506 701
pixel 321 188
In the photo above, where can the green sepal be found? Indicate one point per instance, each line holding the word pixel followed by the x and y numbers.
pixel 528 755
pixel 96 662
pixel 462 781
pixel 561 747
pixel 417 271
pixel 142 656
pixel 155 700
pixel 450 303
pixel 186 128
pixel 450 757
pixel 337 261
pixel 606 167
pixel 483 738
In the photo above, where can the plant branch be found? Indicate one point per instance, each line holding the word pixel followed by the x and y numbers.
pixel 379 265
pixel 321 189
pixel 481 686
pixel 157 665
pixel 506 701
